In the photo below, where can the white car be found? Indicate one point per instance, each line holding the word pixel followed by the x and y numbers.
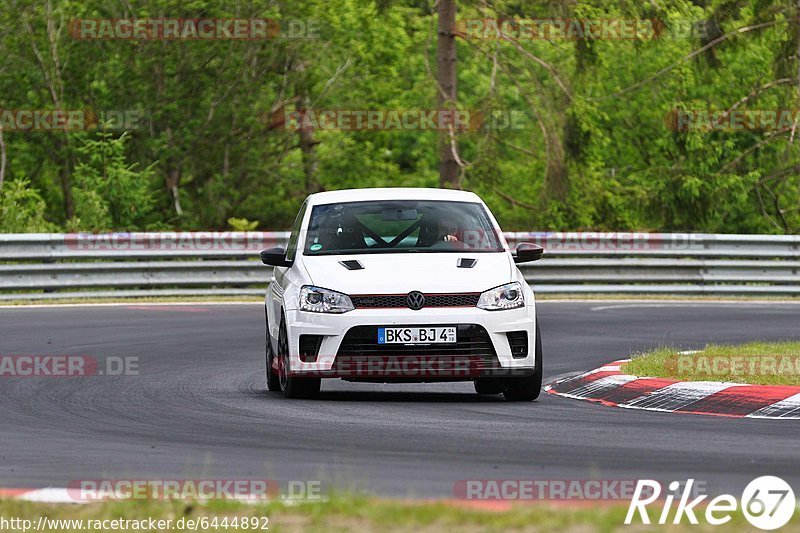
pixel 398 285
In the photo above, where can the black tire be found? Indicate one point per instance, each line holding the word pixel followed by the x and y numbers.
pixel 527 389
pixel 292 387
pixel 273 383
pixel 489 386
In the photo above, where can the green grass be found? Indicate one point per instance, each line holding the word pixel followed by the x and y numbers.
pixel 359 513
pixel 765 363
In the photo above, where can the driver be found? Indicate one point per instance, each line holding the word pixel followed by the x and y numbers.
pixel 447 229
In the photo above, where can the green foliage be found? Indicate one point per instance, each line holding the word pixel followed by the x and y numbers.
pixel 759 362
pixel 22 209
pixel 242 224
pixel 109 192
pixel 595 148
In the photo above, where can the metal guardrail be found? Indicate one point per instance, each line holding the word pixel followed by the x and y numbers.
pixel 44 266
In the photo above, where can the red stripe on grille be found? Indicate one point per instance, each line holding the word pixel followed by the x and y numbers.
pixel 396 301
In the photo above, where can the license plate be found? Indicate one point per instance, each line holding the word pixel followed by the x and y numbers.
pixel 417 335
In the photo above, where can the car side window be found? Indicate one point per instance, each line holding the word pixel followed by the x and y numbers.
pixel 291 249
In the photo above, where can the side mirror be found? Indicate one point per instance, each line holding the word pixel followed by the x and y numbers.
pixel 275 257
pixel 527 252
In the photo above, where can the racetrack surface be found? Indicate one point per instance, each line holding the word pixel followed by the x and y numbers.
pixel 199 409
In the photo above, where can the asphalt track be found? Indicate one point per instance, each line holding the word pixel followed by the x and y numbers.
pixel 199 409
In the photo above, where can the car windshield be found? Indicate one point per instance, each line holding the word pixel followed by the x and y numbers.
pixel 397 226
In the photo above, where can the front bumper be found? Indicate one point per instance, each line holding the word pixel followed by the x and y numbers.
pixel 487 350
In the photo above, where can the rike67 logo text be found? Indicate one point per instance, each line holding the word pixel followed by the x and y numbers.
pixel 767 502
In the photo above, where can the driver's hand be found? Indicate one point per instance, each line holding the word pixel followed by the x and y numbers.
pixel 450 238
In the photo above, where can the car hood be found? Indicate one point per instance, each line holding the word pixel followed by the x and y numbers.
pixel 401 273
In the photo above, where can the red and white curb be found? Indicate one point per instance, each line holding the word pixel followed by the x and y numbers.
pixel 62 495
pixel 609 386
pixel 48 495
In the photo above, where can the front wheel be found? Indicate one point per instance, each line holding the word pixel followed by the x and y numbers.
pixel 273 382
pixel 292 387
pixel 526 389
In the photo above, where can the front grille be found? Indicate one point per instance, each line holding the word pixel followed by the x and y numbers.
pixel 361 358
pixel 376 301
pixel 472 340
pixel 518 340
pixel 309 347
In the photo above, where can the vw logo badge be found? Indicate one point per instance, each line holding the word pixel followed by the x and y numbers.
pixel 415 300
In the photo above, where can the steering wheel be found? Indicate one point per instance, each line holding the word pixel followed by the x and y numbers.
pixel 450 245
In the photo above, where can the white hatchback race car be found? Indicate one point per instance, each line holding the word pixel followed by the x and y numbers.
pixel 401 285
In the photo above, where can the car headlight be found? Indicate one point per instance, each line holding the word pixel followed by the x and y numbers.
pixel 319 300
pixel 507 296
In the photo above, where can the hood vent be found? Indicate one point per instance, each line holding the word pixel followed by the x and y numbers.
pixel 465 262
pixel 352 264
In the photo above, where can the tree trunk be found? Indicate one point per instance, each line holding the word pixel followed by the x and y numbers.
pixel 52 73
pixel 446 73
pixel 172 176
pixel 65 176
pixel 305 134
pixel 173 182
pixel 307 144
pixel 2 158
pixel 797 28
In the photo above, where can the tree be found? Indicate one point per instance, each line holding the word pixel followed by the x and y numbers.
pixel 447 81
pixel 2 158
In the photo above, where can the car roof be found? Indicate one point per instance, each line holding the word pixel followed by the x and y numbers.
pixel 391 193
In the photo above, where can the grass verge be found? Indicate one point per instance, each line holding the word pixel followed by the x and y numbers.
pixel 760 363
pixel 352 513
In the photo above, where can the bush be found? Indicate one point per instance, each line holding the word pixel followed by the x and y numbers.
pixel 22 209
pixel 110 193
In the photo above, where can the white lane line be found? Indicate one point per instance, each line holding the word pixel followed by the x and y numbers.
pixel 541 298
pixel 635 306
pixel 610 367
pixel 679 303
pixel 607 368
pixel 570 376
pixel 127 304
pixel 786 408
pixel 639 306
